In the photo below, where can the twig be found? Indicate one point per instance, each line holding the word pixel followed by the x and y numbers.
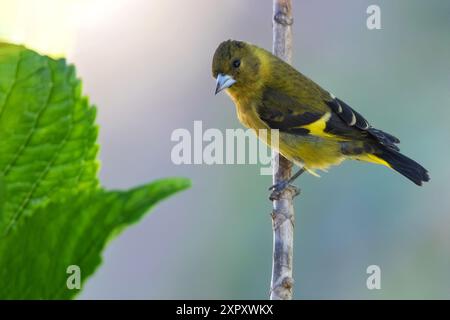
pixel 283 209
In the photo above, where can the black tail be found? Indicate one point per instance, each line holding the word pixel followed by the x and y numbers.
pixel 404 165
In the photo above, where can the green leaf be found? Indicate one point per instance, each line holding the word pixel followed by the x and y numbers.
pixel 70 232
pixel 2 194
pixel 53 213
pixel 47 132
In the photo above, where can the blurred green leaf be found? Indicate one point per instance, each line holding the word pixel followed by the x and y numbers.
pixel 53 214
pixel 35 255
pixel 47 132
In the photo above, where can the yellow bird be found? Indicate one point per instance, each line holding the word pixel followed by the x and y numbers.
pixel 316 129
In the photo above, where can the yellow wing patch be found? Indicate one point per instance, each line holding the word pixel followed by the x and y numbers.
pixel 317 128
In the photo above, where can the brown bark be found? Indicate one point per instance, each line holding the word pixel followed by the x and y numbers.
pixel 283 209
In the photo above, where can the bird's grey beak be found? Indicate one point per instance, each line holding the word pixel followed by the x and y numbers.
pixel 224 81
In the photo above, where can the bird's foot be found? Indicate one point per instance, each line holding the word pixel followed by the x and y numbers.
pixel 279 187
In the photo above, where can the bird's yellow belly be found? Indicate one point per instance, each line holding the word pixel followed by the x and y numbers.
pixel 309 151
pixel 312 152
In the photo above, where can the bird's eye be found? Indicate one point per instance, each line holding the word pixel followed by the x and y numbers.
pixel 236 63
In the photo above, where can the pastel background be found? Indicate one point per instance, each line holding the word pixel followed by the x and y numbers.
pixel 146 65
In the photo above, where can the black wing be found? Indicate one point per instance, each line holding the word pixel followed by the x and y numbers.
pixel 354 119
pixel 282 112
pixel 287 114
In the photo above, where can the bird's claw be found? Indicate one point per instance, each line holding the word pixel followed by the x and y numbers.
pixel 279 187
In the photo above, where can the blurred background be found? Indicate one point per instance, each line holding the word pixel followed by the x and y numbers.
pixel 146 65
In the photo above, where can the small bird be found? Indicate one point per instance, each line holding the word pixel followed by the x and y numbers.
pixel 316 129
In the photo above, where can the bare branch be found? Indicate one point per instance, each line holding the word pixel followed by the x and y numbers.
pixel 283 209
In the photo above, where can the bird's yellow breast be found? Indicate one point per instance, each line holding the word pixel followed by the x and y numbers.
pixel 246 111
